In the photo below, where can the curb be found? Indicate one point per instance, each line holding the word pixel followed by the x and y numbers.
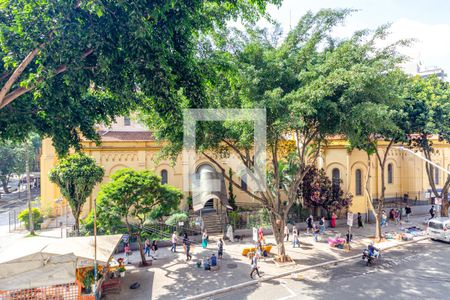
pixel 284 274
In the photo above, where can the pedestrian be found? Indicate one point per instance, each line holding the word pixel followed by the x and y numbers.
pixel 309 224
pixel 254 265
pixel 205 239
pixel 349 238
pixel 213 260
pixel 384 222
pixel 396 216
pixel 322 225
pixel 154 248
pixel 261 235
pixel 333 220
pixel 408 211
pixel 286 233
pixel 187 246
pixel 147 248
pixel 174 242
pixel 128 253
pixel 432 212
pixel 360 221
pixel 220 248
pixel 316 232
pixel 295 242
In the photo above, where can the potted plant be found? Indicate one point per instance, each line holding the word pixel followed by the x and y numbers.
pixel 88 281
pixel 121 271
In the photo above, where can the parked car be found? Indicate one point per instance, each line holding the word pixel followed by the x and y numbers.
pixel 439 229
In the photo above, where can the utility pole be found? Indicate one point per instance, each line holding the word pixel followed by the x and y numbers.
pixel 27 170
pixel 95 250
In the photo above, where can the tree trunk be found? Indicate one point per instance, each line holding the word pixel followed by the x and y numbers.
pixel 77 221
pixel 278 233
pixel 445 204
pixel 141 250
pixel 5 184
pixel 378 233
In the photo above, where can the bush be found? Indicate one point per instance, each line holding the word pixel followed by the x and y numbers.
pixel 175 218
pixel 37 220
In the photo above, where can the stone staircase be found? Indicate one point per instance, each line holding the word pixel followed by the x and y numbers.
pixel 212 223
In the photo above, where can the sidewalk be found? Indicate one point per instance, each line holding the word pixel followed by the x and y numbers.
pixel 171 277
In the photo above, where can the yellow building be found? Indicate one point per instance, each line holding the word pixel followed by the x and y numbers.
pixel 127 144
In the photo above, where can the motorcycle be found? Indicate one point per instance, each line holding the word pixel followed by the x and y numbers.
pixel 370 259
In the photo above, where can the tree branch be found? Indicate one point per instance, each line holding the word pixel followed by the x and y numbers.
pixel 17 72
pixel 10 97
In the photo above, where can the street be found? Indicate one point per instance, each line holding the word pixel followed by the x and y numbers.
pixel 12 202
pixel 416 271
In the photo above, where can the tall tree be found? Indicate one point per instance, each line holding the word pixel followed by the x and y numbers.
pixel 305 83
pixel 428 111
pixel 69 65
pixel 9 156
pixel 133 195
pixel 76 176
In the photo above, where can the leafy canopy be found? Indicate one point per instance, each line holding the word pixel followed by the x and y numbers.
pixel 68 65
pixel 76 175
pixel 132 193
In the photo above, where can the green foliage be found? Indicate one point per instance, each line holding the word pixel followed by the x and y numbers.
pixel 309 84
pixel 428 114
pixel 76 175
pixel 259 219
pixel 37 220
pixel 13 158
pixel 86 69
pixel 175 218
pixel 136 194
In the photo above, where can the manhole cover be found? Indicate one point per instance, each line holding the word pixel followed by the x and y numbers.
pixel 232 266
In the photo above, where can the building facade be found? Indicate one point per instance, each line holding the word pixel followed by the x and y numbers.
pixel 129 145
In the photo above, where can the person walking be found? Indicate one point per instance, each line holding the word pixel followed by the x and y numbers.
pixel 295 242
pixel 360 221
pixel 322 225
pixel 396 217
pixel 384 219
pixel 128 253
pixel 333 220
pixel 407 212
pixel 187 246
pixel 205 239
pixel 220 248
pixel 254 266
pixel 432 212
pixel 309 224
pixel 174 242
pixel 316 232
pixel 286 233
pixel 147 248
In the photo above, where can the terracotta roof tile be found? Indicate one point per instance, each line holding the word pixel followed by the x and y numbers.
pixel 111 136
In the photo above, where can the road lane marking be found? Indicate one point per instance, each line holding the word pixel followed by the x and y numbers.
pixel 291 292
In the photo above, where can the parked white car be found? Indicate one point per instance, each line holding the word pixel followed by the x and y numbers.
pixel 439 229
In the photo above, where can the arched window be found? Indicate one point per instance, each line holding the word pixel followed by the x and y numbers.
pixel 126 121
pixel 244 182
pixel 358 182
pixel 164 176
pixel 336 177
pixel 436 175
pixel 390 171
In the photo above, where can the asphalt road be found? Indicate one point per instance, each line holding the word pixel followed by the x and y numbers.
pixel 416 271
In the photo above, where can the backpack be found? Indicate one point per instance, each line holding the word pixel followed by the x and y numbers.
pixel 431 211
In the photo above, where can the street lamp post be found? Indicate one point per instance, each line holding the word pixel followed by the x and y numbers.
pixel 427 160
pixel 95 249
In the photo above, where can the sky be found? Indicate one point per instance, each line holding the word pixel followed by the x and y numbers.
pixel 427 21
